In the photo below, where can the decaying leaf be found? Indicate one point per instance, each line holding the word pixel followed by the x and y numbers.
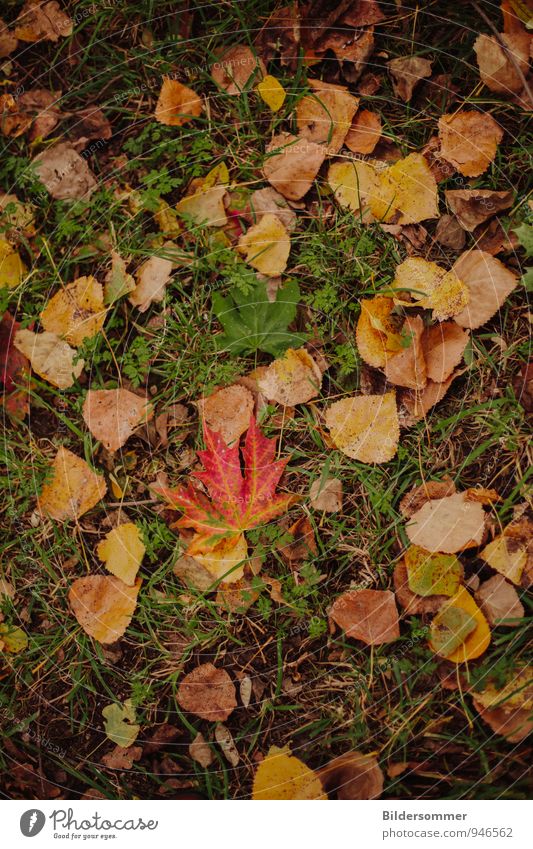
pixel 226 742
pixel 227 411
pixel 377 335
pixel 39 21
pixel 418 403
pixel 459 631
pixel 14 370
pixel 12 638
pixel 119 723
pixel 177 104
pixel 207 692
pixel 8 41
pixel 474 206
pixel 152 278
pixel 443 345
pixel 406 72
pixel 354 184
pixel 113 414
pixel 268 200
pixel 294 378
pixel 469 141
pixel 432 574
pixel 506 555
pixel 64 173
pixel 122 758
pixel 515 725
pixel 432 287
pixel 292 163
pixel 266 246
pixel 449 233
pixel 447 525
pixel 326 115
pixel 352 776
pixel 407 367
pixel 192 573
pixel 271 92
pixel 76 312
pixel 104 606
pixel 496 68
pixel 365 427
pixel 50 357
pixel 367 615
pixel 236 69
pixel 420 495
pixel 500 602
pixel 117 282
pixel 200 751
pixel 489 283
pixel 282 776
pixel 12 269
pixel 406 192
pixel 508 709
pixel 35 110
pixel 326 495
pixel 364 133
pixel 122 551
pixel 411 602
pixel 73 488
pixel 224 560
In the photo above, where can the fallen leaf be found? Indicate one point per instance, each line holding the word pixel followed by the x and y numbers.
pixel 119 724
pixel 192 573
pixel 522 386
pixel 352 776
pixel 408 366
pixel 489 283
pixel 227 411
pixel 35 109
pixel 117 281
pixel 459 631
pixel 207 692
pixel 447 525
pixel 499 601
pixel 200 751
pixel 351 49
pixel 113 414
pixel 8 41
pixel 294 378
pixel 205 206
pixel 406 192
pixel 449 233
pixel 377 335
pixel 443 345
pixel 432 574
pixel 469 141
pixel 6 590
pixel 365 427
pixel 152 278
pixel 302 545
pixel 268 200
pixel 282 776
pixel 104 607
pixel 413 604
pixel 177 104
pixel 266 246
pixel 420 495
pixel 76 312
pixel 326 115
pixel 419 403
pixel 236 69
pixel 291 164
pixel 50 357
pixel 365 132
pixel 12 638
pixel 122 758
pixel 474 206
pixel 14 368
pixel 354 184
pixel 39 21
pixel 227 744
pixel 326 495
pixel 367 615
pixel 224 560
pixel 73 488
pixel 506 556
pixel 64 173
pixel 406 72
pixel 496 69
pixel 432 287
pixel 271 92
pixel 122 551
pixel 514 725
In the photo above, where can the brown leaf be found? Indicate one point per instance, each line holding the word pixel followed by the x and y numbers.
pixel 268 200
pixel 292 163
pixel 160 737
pixel 42 22
pixel 352 776
pixel 227 744
pixel 499 600
pixel 207 692
pixel 292 379
pixel 448 524
pixel 113 414
pixel 418 404
pixel 50 357
pixel 177 104
pixel 412 603
pixel 443 346
pixel 121 758
pixel 302 547
pixel 469 141
pixel 362 13
pixel 449 232
pixel 64 173
pixel 236 69
pixel 326 495
pixel 8 41
pixel 200 751
pixel 152 278
pixel 193 573
pixel 489 284
pixel 73 489
pixel 406 72
pixel 354 47
pixel 515 725
pixel 103 605
pixel 496 69
pixel 367 615
pixel 523 386
pixel 420 495
pixel 364 133
pixel 408 366
pixel 325 116
pixel 227 411
pixel 474 206
pixel 36 107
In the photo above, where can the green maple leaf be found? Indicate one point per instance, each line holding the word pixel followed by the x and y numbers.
pixel 525 236
pixel 251 322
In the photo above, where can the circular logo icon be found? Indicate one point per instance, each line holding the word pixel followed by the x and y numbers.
pixel 32 822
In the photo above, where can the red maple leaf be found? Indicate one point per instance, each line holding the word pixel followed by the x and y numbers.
pixel 240 497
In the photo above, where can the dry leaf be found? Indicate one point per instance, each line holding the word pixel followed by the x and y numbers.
pixel 413 604
pixel 507 556
pixel 448 524
pixel 489 283
pixel 207 692
pixel 268 200
pixel 119 723
pixel 475 638
pixel 281 776
pixel 474 206
pixel 12 269
pixel 122 551
pixel 367 615
pixel 514 725
pixel 177 104
pixel 352 776
pixel 113 414
pixel 406 73
pixel 266 246
pixel 236 69
pixel 326 115
pixel 443 345
pixel 408 366
pixel 226 743
pixel 406 193
pixel 76 312
pixel 326 495
pixel 354 184
pixel 42 22
pixel 449 233
pixel 103 606
pixel 364 133
pixel 291 164
pixel 64 173
pixel 152 278
pixel 376 335
pixel 432 287
pixel 122 758
pixel 205 206
pixel 225 560
pixel 227 411
pixel 420 495
pixel 200 751
pixel 302 546
pixel 365 428
pixel 271 92
pixel 192 573
pixel 496 69
pixel 508 709
pixel 8 41
pixel 117 281
pixel 418 404
pixel 50 357
pixel 292 379
pixel 469 141
pixel 499 601
pixel 432 574
pixel 35 107
pixel 73 488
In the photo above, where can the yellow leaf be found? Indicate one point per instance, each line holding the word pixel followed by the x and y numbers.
pixel 205 206
pixel 103 605
pixel 325 116
pixel 76 312
pixel 271 92
pixel 73 489
pixel 122 551
pixel 353 183
pixel 477 641
pixel 12 638
pixel 12 269
pixel 517 693
pixel 218 176
pixel 119 723
pixel 376 336
pixel 365 427
pixel 292 379
pixel 507 556
pixel 177 104
pixel 431 573
pixel 283 776
pixel 51 357
pixel 432 287
pixel 266 246
pixel 407 192
pixel 225 560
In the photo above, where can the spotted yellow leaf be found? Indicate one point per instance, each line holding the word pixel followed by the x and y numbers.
pixel 365 427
